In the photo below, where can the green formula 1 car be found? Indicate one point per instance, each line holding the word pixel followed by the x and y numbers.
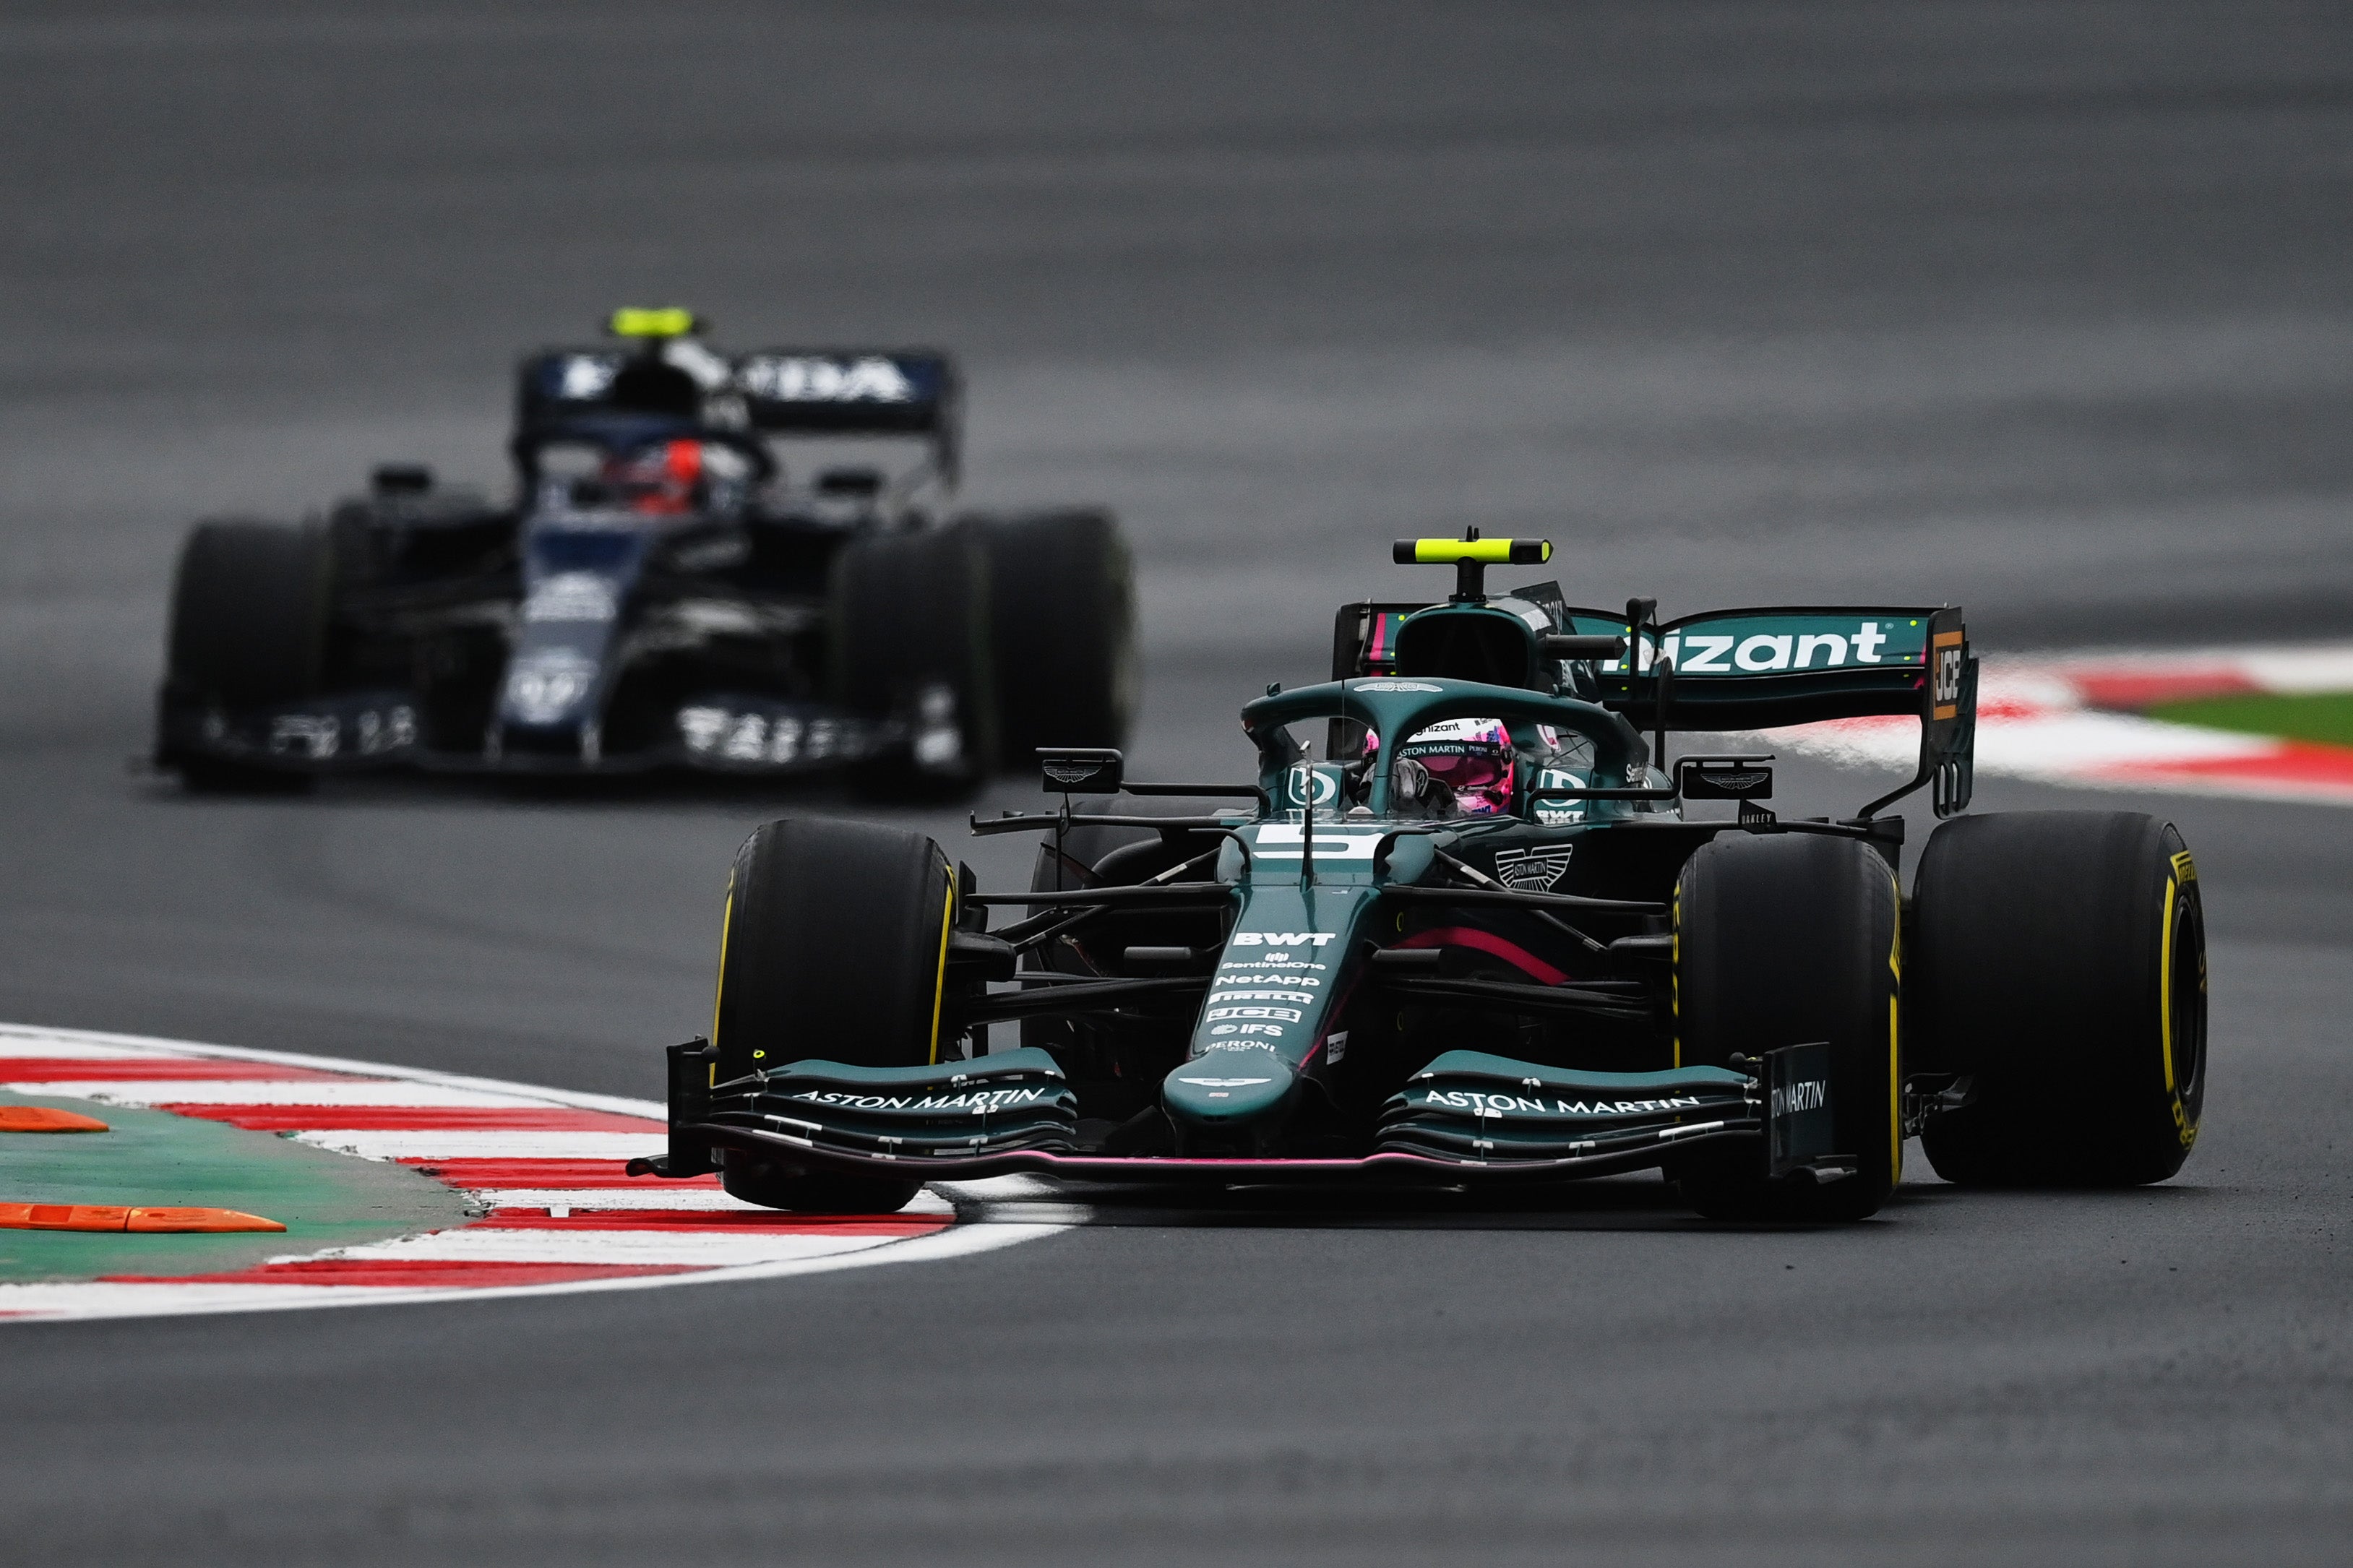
pixel 1459 930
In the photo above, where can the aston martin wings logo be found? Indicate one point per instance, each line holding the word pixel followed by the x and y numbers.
pixel 1535 871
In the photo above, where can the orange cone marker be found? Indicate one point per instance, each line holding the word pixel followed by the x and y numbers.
pixel 90 1216
pixel 42 1119
pixel 197 1220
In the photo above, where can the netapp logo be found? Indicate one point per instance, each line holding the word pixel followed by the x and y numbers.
pixel 1283 937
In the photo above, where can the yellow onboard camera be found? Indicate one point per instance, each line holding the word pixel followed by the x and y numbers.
pixel 653 321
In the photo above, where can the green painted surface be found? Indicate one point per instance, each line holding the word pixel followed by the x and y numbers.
pixel 2323 716
pixel 156 1159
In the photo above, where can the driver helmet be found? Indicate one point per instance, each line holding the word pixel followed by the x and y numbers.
pixel 661 481
pixel 1471 757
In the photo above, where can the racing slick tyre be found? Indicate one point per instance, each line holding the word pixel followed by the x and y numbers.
pixel 2059 962
pixel 910 638
pixel 248 629
pixel 833 946
pixel 1062 590
pixel 1784 939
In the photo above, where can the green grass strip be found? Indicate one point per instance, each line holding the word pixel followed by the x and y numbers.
pixel 2323 716
pixel 156 1159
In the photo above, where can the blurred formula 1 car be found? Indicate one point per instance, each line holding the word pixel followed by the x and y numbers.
pixel 662 593
pixel 1480 941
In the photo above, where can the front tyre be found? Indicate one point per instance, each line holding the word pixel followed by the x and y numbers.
pixel 771 1186
pixel 834 947
pixel 1787 940
pixel 2060 962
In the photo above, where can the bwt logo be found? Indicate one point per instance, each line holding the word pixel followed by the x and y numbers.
pixel 1281 938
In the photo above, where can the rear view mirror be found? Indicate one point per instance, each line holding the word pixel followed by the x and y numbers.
pixel 856 482
pixel 400 480
pixel 1072 770
pixel 1555 645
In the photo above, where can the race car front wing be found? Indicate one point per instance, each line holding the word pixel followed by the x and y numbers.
pixel 367 731
pixel 1467 1118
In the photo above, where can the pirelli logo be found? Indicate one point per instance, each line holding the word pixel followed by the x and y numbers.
pixel 1945 660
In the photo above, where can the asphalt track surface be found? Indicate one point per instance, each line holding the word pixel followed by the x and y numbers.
pixel 2040 308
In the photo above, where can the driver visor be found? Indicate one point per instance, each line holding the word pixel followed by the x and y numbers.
pixel 1463 767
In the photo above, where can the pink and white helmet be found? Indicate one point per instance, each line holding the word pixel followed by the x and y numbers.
pixel 1472 757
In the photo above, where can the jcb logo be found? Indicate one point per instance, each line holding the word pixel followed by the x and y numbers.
pixel 1948 675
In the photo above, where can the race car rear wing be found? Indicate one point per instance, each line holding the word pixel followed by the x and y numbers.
pixel 1803 664
pixel 1755 670
pixel 805 392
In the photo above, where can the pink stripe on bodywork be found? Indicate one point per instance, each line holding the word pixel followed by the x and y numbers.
pixel 1494 946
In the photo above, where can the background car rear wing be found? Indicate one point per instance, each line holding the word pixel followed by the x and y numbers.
pixel 808 391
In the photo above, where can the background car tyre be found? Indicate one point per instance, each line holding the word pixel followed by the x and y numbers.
pixel 2059 958
pixel 1785 940
pixel 250 603
pixel 1063 589
pixel 809 903
pixel 909 627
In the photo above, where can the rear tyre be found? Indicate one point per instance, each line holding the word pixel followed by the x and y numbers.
pixel 249 609
pixel 909 619
pixel 833 947
pixel 1781 941
pixel 1064 646
pixel 2059 959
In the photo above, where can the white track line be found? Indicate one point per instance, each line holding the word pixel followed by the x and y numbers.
pixel 475 1145
pixel 722 1249
pixel 2043 719
pixel 267 1091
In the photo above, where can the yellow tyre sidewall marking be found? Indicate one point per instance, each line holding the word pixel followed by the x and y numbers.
pixel 2170 927
pixel 2165 983
pixel 940 981
pixel 1895 1049
pixel 718 994
pixel 1675 973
